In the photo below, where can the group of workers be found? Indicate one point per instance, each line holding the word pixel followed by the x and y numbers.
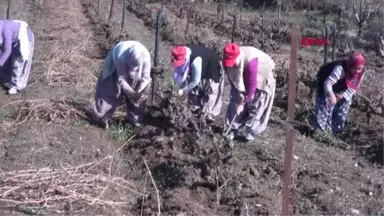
pixel 199 73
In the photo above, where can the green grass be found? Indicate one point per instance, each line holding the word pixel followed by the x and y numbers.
pixel 120 131
pixel 3 115
pixel 328 139
pixel 79 122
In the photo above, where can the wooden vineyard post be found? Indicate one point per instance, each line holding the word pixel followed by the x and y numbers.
pixel 98 8
pixel 291 116
pixel 9 9
pixel 326 37
pixel 159 21
pixel 334 40
pixel 233 27
pixel 325 46
pixel 189 17
pixel 336 33
pixel 123 17
pixel 279 3
pixel 111 9
pixel 241 11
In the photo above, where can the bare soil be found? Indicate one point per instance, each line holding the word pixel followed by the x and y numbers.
pixel 54 162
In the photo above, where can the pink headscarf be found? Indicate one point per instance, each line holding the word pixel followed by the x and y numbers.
pixel 353 79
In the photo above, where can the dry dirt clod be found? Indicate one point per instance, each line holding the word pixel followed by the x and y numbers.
pixel 253 171
pixel 355 211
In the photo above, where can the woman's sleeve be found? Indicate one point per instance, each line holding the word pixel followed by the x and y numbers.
pixel 348 94
pixel 122 78
pixel 7 46
pixel 146 75
pixel 195 74
pixel 337 73
pixel 250 77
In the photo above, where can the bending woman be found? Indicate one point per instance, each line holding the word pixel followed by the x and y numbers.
pixel 251 75
pixel 17 45
pixel 126 76
pixel 338 81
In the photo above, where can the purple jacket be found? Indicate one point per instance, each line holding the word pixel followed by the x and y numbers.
pixel 250 79
pixel 9 32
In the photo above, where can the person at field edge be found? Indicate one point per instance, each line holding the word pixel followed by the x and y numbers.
pixel 126 75
pixel 337 82
pixel 199 73
pixel 17 45
pixel 251 76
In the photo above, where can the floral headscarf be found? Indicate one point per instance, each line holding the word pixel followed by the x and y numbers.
pixel 353 79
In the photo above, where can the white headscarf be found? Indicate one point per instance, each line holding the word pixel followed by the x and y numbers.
pixel 136 61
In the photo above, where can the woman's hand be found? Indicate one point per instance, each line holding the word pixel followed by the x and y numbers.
pixel 339 97
pixel 118 91
pixel 135 96
pixel 332 100
pixel 239 108
pixel 240 98
pixel 140 99
pixel 240 103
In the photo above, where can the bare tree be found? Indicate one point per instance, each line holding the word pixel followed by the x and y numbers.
pixel 221 8
pixel 379 44
pixel 348 11
pixel 9 9
pixel 336 33
pixel 309 5
pixel 241 6
pixel 262 18
pixel 189 15
pixel 288 5
pixel 111 9
pixel 364 14
pixel 308 9
pixel 279 3
pixel 98 7
pixel 233 27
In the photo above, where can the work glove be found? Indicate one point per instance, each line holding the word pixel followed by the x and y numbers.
pixel 240 104
pixel 140 100
pixel 118 91
pixel 180 92
pixel 239 108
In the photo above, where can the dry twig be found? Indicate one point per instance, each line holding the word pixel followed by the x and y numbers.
pixel 49 110
pixel 157 191
pixel 53 188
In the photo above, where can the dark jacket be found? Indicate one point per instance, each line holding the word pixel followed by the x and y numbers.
pixel 325 71
pixel 210 62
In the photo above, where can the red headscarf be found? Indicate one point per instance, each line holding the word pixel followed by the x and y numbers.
pixel 178 56
pixel 353 79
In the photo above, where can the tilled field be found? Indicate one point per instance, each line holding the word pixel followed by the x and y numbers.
pixel 176 163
